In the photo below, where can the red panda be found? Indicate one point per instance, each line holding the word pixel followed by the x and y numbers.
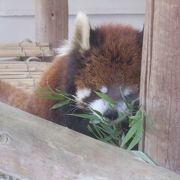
pixel 106 59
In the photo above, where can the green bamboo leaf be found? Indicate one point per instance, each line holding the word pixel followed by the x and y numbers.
pixel 61 92
pixel 98 127
pixel 106 128
pixel 132 122
pixel 108 138
pixel 92 132
pixel 144 157
pixel 50 94
pixel 97 132
pixel 95 121
pixel 139 114
pixel 90 117
pixel 121 115
pixel 137 137
pixel 60 104
pixel 130 134
pixel 97 112
pixel 128 104
pixel 52 97
pixel 137 117
pixel 103 135
pixel 106 98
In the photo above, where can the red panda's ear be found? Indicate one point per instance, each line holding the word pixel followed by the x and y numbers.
pixel 81 36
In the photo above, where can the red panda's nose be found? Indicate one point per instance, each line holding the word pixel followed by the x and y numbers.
pixel 111 114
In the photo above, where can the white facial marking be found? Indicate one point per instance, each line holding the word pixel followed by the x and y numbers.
pixel 99 105
pixel 83 93
pixel 104 89
pixel 127 91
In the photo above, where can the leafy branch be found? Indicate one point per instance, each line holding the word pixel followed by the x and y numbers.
pixel 99 126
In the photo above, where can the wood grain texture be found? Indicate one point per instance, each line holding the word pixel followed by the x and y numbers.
pixel 33 148
pixel 21 74
pixel 51 21
pixel 160 82
pixel 25 49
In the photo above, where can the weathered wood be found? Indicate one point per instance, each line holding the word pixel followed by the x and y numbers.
pixel 22 75
pixel 160 81
pixel 51 21
pixel 44 52
pixel 25 49
pixel 33 148
pixel 23 44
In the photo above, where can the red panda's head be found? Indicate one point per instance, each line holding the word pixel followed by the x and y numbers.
pixel 106 59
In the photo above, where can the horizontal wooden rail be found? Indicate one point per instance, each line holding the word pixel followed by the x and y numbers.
pixel 24 44
pixel 25 49
pixel 34 148
pixel 23 75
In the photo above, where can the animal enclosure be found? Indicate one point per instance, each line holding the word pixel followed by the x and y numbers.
pixel 62 153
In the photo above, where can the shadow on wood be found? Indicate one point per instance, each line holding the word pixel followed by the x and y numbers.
pixel 33 148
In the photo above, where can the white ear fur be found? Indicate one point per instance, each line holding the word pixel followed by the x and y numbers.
pixel 82 32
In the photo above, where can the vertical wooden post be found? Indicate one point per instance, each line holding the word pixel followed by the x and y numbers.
pixel 51 21
pixel 160 81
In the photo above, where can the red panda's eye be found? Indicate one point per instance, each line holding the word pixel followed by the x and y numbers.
pixel 129 61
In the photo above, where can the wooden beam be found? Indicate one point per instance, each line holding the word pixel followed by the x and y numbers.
pixel 34 148
pixel 51 21
pixel 25 49
pixel 160 82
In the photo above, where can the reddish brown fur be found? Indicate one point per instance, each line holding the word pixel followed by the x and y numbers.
pixel 53 77
pixel 115 61
pixel 15 97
